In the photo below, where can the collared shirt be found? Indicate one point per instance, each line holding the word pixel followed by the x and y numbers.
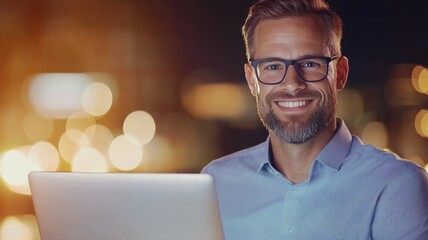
pixel 353 191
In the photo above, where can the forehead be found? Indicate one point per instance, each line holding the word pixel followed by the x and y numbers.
pixel 290 37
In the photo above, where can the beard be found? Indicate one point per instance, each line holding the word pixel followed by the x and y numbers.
pixel 297 129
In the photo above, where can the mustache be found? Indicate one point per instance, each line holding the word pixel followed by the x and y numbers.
pixel 287 95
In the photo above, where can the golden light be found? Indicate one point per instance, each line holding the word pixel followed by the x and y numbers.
pixel 70 142
pixel 108 80
pixel 375 133
pixel 57 94
pixel 15 167
pixel 216 100
pixel 125 154
pixel 45 155
pixel 415 78
pixel 421 123
pixel 401 89
pixel 423 81
pixel 89 160
pixel 37 127
pixel 97 99
pixel 100 137
pixel 79 120
pixel 426 167
pixel 19 228
pixel 139 127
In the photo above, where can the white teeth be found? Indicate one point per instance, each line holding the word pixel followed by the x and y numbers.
pixel 293 104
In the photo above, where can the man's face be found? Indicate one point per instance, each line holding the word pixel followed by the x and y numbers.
pixel 295 110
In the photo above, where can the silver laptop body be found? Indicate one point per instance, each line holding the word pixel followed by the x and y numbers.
pixel 131 206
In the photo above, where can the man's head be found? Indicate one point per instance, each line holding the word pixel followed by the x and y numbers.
pixel 295 67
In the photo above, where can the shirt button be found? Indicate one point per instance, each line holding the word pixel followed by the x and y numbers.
pixel 290 229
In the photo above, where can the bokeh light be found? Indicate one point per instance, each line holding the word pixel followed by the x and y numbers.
pixel 416 79
pixel 37 127
pixel 100 137
pixel 139 127
pixel 125 154
pixel 423 81
pixel 375 133
pixel 15 167
pixel 19 228
pixel 57 94
pixel 420 79
pixel 401 89
pixel 89 160
pixel 421 123
pixel 70 142
pixel 216 100
pixel 45 155
pixel 108 80
pixel 97 99
pixel 79 120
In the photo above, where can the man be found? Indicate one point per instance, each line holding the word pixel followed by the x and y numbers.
pixel 311 179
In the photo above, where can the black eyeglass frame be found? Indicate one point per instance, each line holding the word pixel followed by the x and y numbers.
pixel 288 63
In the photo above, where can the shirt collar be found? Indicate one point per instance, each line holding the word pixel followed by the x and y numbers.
pixel 331 156
pixel 337 149
pixel 264 160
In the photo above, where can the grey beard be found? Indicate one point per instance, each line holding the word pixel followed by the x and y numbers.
pixel 297 131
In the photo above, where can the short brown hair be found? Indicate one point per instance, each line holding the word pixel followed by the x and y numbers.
pixel 275 9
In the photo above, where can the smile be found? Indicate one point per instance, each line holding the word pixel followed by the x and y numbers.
pixel 295 104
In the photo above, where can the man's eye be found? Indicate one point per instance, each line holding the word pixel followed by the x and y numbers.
pixel 272 67
pixel 309 64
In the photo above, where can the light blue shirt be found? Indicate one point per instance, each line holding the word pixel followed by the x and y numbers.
pixel 353 191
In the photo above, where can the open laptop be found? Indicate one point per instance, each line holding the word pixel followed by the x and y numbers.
pixel 131 206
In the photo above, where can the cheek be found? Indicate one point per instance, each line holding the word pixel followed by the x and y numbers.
pixel 331 93
pixel 327 91
pixel 264 91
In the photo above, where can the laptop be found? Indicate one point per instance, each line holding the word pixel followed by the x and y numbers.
pixel 131 206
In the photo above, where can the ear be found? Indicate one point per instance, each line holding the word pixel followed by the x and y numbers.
pixel 342 73
pixel 251 79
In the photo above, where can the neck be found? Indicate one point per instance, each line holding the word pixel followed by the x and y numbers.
pixel 295 160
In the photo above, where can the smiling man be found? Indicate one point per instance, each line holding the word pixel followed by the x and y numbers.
pixel 311 179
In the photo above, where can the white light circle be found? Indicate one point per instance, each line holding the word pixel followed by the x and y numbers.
pixel 125 154
pixel 139 126
pixel 97 99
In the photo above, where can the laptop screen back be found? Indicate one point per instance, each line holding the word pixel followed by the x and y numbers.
pixel 113 206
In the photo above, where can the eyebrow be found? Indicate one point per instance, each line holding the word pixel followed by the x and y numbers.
pixel 300 57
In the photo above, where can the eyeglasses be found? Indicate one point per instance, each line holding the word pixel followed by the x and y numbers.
pixel 272 71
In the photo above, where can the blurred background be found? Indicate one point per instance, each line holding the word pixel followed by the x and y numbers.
pixel 158 86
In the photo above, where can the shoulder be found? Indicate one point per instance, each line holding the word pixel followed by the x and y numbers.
pixel 384 164
pixel 401 202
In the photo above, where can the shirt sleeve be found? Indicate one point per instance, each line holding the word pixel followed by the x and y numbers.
pixel 402 208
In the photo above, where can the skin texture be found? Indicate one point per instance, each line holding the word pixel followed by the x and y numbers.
pixel 298 134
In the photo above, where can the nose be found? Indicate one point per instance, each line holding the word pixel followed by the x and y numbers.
pixel 292 82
